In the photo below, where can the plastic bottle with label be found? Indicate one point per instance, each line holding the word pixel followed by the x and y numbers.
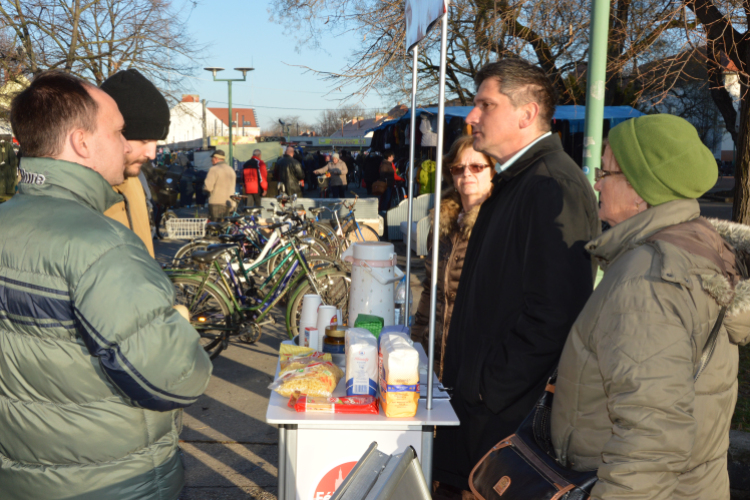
pixel 400 303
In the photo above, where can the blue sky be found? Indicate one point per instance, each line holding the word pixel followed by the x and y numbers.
pixel 239 33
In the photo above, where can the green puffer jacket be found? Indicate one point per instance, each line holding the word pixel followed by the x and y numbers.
pixel 95 362
pixel 625 401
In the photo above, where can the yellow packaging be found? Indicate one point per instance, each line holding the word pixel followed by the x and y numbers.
pixel 399 377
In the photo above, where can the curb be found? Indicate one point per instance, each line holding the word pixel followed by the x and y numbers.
pixel 738 461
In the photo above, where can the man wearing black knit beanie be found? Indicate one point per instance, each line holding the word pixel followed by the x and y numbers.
pixel 146 116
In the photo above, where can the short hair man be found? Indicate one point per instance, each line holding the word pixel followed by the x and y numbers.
pixel 256 178
pixel 289 173
pixel 526 274
pixel 96 362
pixel 146 115
pixel 221 183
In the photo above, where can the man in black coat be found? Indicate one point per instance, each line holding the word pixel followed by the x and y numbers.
pixel 526 274
pixel 290 172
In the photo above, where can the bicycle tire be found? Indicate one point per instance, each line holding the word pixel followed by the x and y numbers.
pixel 181 257
pixel 212 306
pixel 334 287
pixel 161 230
pixel 368 234
pixel 325 234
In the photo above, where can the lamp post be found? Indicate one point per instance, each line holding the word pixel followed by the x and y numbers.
pixel 229 84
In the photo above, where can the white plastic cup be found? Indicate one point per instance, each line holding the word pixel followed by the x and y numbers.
pixel 309 313
pixel 339 316
pixel 311 337
pixel 326 317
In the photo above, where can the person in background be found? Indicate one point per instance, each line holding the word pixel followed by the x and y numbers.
pixel 389 175
pixel 256 178
pixel 97 364
pixel 526 275
pixel 220 184
pixel 146 115
pixel 338 171
pixel 187 186
pixel 470 174
pixel 626 402
pixel 289 173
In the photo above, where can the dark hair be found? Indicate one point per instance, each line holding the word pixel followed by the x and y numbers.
pixel 387 153
pixel 522 83
pixel 457 148
pixel 45 112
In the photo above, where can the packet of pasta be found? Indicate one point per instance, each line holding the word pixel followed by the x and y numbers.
pixel 348 404
pixel 288 364
pixel 317 378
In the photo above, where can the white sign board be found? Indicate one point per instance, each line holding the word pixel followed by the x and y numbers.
pixel 421 16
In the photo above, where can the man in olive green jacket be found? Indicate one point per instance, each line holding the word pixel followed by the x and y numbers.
pixel 96 363
pixel 626 402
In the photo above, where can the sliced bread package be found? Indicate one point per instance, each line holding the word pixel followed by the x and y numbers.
pixel 399 377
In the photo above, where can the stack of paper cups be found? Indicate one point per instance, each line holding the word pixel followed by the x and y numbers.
pixel 326 317
pixel 309 315
pixel 340 317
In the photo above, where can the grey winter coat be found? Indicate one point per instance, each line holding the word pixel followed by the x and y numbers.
pixel 625 401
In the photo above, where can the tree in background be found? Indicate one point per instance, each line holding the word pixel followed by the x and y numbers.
pixel 96 38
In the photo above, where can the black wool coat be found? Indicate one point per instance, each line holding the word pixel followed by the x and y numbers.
pixel 526 277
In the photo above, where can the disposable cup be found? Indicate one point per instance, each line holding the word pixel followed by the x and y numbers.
pixel 309 313
pixel 326 317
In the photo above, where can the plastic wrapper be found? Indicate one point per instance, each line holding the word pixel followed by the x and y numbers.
pixel 313 378
pixel 300 361
pixel 399 377
pixel 348 404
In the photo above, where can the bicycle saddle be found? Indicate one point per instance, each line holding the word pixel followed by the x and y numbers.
pixel 210 255
pixel 253 210
pixel 226 238
pixel 316 211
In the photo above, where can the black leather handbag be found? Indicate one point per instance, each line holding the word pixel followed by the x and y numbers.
pixel 524 466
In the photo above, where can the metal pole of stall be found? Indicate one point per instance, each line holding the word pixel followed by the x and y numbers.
pixel 436 224
pixel 412 136
pixel 595 88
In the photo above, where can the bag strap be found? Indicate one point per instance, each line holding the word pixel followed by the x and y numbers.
pixel 710 347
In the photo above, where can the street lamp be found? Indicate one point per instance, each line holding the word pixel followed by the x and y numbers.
pixel 229 81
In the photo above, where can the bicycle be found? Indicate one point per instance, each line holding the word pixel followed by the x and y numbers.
pixel 221 306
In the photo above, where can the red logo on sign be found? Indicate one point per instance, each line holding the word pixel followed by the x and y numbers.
pixel 332 480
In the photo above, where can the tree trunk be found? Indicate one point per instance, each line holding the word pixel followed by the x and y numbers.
pixel 741 206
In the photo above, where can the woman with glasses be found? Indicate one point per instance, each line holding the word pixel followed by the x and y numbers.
pixel 643 395
pixel 470 173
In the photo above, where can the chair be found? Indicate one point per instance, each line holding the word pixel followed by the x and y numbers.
pixel 395 216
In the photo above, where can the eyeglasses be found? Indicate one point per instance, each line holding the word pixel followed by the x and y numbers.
pixel 474 168
pixel 600 174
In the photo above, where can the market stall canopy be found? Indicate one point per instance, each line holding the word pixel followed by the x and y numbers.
pixel 573 114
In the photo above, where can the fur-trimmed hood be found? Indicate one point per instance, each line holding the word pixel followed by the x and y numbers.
pixel 450 209
pixel 736 298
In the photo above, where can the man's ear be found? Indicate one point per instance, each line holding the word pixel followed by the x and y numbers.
pixel 80 141
pixel 529 114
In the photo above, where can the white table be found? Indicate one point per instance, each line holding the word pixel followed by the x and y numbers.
pixel 317 450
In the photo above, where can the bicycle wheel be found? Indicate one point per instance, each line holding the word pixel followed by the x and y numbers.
pixel 209 313
pixel 182 256
pixel 162 229
pixel 367 233
pixel 334 287
pixel 327 237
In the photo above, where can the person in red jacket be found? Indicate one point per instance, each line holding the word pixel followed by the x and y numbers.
pixel 256 180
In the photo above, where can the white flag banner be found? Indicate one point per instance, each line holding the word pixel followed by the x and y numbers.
pixel 421 16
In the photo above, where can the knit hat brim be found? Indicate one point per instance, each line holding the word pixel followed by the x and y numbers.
pixel 663 158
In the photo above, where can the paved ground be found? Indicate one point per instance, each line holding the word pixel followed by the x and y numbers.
pixel 230 452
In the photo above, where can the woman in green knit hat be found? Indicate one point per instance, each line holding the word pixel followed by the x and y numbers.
pixel 627 402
